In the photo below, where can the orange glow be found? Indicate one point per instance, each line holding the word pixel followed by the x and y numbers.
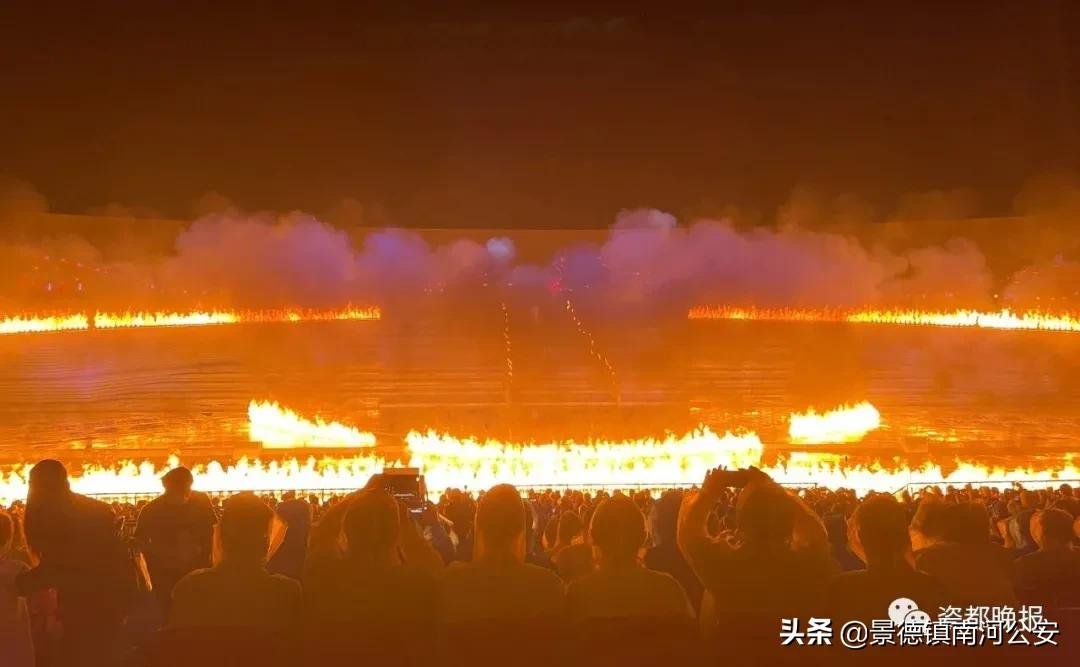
pixel 848 423
pixel 1002 319
pixel 126 320
pixel 448 461
pixel 276 427
pixel 34 324
pixel 125 478
pixel 201 318
pixel 467 462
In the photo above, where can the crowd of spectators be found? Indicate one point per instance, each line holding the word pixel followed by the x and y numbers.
pixel 189 579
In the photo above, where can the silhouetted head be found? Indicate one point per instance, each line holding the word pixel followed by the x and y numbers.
pixel 765 516
pixel 570 528
pixel 928 524
pixel 48 481
pixel 1052 528
pixel 879 531
pixel 966 523
pixel 664 517
pixel 1029 500
pixel 371 523
pixel 530 527
pixel 500 525
pixel 177 483
pixel 7 531
pixel 617 530
pixel 837 529
pixel 245 528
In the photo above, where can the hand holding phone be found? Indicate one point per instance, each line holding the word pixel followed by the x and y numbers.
pixel 718 479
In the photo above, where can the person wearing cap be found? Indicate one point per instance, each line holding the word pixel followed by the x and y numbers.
pixel 175 533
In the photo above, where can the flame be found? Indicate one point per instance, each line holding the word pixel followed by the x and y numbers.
pixel 447 462
pixel 280 428
pixel 201 318
pixel 36 324
pixel 125 320
pixel 78 321
pixel 848 423
pixel 129 478
pixel 829 471
pixel 1002 319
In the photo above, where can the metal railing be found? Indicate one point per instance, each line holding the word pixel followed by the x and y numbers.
pixel 323 494
pixel 999 483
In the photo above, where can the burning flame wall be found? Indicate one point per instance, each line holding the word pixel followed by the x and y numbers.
pixel 845 424
pixel 40 324
pixel 448 461
pixel 280 428
pixel 646 263
pixel 1003 319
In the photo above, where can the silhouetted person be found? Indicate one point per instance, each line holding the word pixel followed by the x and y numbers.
pixel 960 555
pixel 82 557
pixel 289 557
pixel 175 532
pixel 534 553
pixel 1051 575
pixel 16 642
pixel 382 586
pixel 238 592
pixel 461 510
pixel 498 584
pixel 571 556
pixel 664 554
pixel 621 587
pixel 779 565
pixel 837 528
pixel 1020 524
pixel 879 537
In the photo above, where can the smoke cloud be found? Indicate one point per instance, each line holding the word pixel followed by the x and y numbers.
pixel 819 251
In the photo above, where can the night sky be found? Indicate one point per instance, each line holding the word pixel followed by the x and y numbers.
pixel 542 118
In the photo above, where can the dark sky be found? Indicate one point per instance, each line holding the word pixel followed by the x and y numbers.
pixel 542 118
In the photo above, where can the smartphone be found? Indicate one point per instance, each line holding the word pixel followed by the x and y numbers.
pixel 733 478
pixel 407 486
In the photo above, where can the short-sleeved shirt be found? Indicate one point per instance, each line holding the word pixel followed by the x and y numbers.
pixel 341 591
pixel 236 596
pixel 177 535
pixel 634 591
pixel 972 574
pixel 865 595
pixel 476 591
pixel 1050 577
pixel 573 562
pixel 768 585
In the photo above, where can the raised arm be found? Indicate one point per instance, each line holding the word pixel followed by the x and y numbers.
pixel 415 550
pixel 325 537
pixel 692 534
pixel 809 530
